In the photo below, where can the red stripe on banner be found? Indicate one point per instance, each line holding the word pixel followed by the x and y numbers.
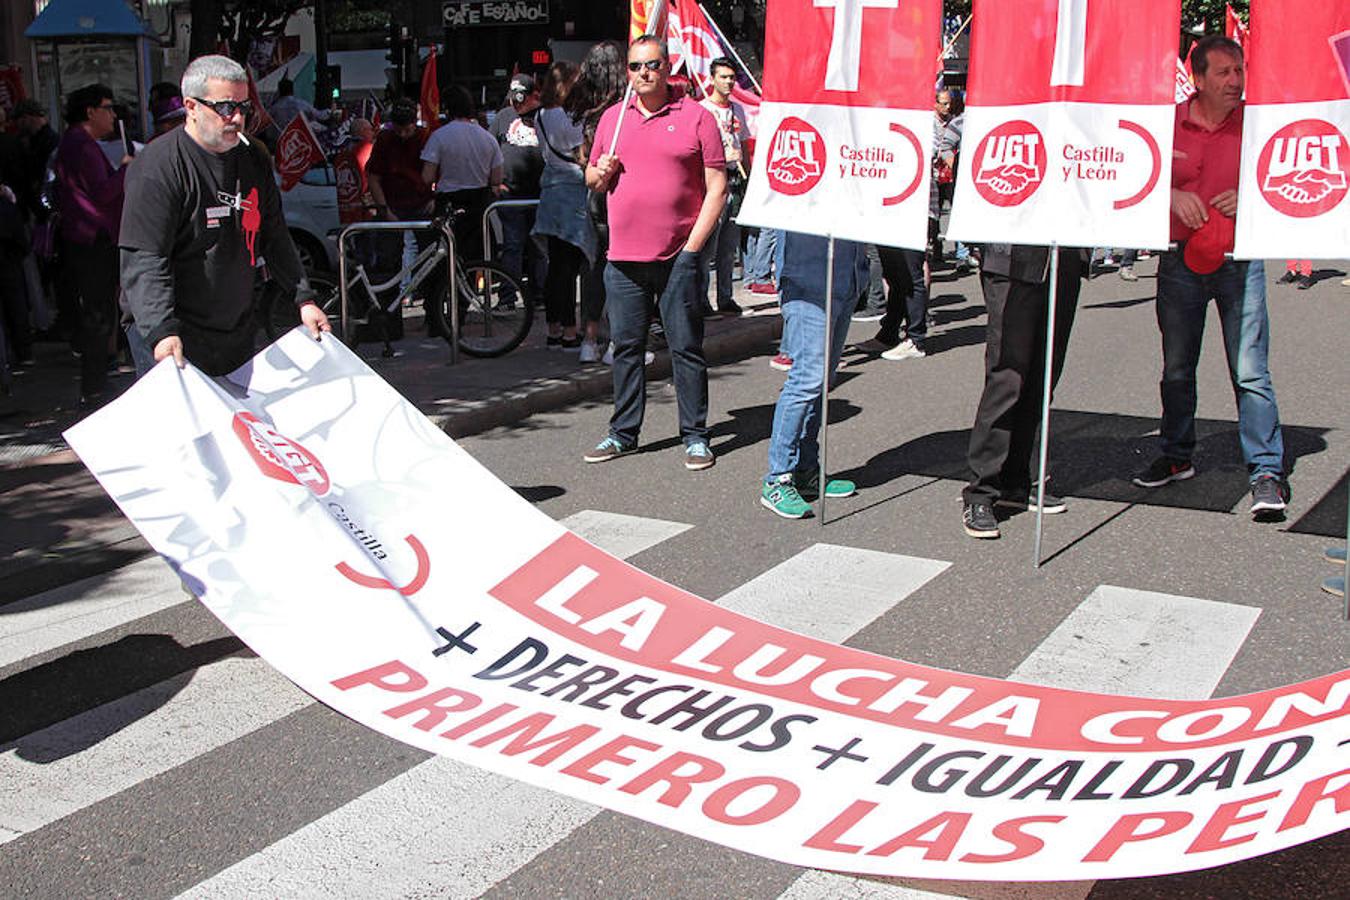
pixel 1298 52
pixel 886 47
pixel 581 593
pixel 1127 51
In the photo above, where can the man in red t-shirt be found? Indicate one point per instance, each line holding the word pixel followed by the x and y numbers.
pixel 666 184
pixel 394 179
pixel 1207 146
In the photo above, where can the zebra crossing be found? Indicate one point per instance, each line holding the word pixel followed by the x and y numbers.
pixel 430 826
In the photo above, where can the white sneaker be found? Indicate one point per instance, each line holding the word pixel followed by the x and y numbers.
pixel 906 349
pixel 589 353
pixel 608 358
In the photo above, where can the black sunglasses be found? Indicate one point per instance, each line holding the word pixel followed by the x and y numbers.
pixel 227 108
pixel 651 65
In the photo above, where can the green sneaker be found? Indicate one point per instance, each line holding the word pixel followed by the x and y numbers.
pixel 808 485
pixel 782 498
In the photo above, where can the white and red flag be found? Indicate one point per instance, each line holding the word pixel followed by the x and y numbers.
pixel 1295 158
pixel 297 150
pixel 1068 129
pixel 846 127
pixel 693 43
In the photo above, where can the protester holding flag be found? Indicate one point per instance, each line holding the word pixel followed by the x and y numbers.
pixel 202 211
pixel 720 251
pixel 792 483
pixel 660 162
pixel 1016 284
pixel 1207 144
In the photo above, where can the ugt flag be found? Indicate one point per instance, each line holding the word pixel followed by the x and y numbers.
pixel 1295 160
pixel 846 127
pixel 1068 130
pixel 297 150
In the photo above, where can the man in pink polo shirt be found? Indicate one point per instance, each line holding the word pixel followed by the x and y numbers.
pixel 1207 145
pixel 665 184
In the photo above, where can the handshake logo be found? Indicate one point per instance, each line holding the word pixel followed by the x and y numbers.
pixel 1301 170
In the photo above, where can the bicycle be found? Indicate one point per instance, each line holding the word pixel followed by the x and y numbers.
pixel 495 314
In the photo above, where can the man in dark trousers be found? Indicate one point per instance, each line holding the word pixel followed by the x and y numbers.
pixel 666 183
pixel 203 210
pixel 1016 284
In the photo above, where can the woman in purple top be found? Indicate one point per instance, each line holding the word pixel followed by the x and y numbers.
pixel 90 193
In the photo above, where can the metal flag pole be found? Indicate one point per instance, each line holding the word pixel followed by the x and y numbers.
pixel 726 45
pixel 1045 400
pixel 825 373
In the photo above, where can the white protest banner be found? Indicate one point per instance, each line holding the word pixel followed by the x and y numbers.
pixel 1295 170
pixel 367 557
pixel 1068 129
pixel 846 126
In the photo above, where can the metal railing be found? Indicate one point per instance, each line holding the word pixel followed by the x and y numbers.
pixel 414 225
pixel 493 207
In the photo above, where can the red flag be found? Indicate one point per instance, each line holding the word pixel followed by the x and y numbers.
pixel 297 150
pixel 260 119
pixel 1185 87
pixel 693 43
pixel 1233 27
pixel 350 170
pixel 431 92
pixel 646 17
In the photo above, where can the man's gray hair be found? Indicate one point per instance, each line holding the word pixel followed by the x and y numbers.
pixel 203 68
pixel 653 39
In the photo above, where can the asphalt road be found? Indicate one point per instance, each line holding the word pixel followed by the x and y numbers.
pixel 144 752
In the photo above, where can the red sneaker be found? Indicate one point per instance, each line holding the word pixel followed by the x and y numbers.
pixel 762 287
pixel 782 362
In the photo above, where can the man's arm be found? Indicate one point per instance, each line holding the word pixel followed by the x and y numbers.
pixel 715 195
pixel 429 170
pixel 147 280
pixel 283 262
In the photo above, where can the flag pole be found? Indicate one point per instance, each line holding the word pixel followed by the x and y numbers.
pixel 726 45
pixel 656 27
pixel 825 374
pixel 1045 399
pixel 947 46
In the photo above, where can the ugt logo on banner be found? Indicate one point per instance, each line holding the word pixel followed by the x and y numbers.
pixel 1295 170
pixel 846 127
pixel 1068 123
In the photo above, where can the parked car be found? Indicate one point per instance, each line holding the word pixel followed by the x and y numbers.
pixel 312 217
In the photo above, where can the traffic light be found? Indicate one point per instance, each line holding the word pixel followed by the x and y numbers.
pixel 333 78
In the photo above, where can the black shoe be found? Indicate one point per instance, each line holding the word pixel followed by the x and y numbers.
pixel 1053 505
pixel 1305 282
pixel 1289 277
pixel 1270 496
pixel 1164 471
pixel 979 522
pixel 730 308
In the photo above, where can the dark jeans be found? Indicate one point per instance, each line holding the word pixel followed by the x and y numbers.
pixel 95 268
pixel 906 297
pixel 1239 291
pixel 522 253
pixel 631 290
pixel 14 297
pixel 1009 414
pixel 565 263
pixel 874 300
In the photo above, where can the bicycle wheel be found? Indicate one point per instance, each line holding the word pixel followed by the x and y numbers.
pixel 494 313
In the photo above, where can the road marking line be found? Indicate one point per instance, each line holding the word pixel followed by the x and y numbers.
pixel 79 761
pixel 620 535
pixel 1117 641
pixel 472 828
pixel 53 618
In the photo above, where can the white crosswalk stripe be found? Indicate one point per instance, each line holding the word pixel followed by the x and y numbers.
pixel 53 618
pixel 1118 641
pixel 510 823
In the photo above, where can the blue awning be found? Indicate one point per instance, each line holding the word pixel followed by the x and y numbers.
pixel 86 18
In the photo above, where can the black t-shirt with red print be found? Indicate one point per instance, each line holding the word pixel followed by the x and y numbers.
pixel 194 226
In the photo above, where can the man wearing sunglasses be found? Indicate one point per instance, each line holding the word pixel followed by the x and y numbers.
pixel 202 212
pixel 666 184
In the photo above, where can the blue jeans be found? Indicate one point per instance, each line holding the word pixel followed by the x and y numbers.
pixel 719 252
pixel 522 253
pixel 795 443
pixel 1239 288
pixel 631 288
pixel 759 248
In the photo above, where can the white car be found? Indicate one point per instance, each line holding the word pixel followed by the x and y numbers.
pixel 312 216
